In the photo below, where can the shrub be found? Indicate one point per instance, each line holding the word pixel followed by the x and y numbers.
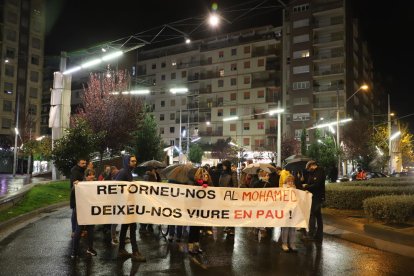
pixel 394 208
pixel 352 197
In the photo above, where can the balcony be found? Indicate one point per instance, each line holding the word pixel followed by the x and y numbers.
pixel 328 88
pixel 206 90
pixel 265 52
pixel 271 131
pixel 209 75
pixel 328 72
pixel 183 65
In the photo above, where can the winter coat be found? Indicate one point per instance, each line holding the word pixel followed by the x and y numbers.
pixel 76 174
pixel 316 184
pixel 228 179
pixel 125 174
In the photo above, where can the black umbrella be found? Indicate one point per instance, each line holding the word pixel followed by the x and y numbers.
pixel 152 164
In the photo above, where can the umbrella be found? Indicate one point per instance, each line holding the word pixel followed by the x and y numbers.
pixel 153 164
pixel 183 173
pixel 168 169
pixel 297 166
pixel 297 158
pixel 252 168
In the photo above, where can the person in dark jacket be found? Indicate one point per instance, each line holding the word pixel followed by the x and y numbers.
pixel 77 174
pixel 125 174
pixel 152 176
pixel 228 178
pixel 315 185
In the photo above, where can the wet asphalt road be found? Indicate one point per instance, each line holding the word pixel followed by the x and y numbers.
pixel 43 248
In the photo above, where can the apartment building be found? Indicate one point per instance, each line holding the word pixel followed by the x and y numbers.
pixel 236 74
pixel 22 24
pixel 325 62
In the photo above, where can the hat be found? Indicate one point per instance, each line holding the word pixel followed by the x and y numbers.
pixel 310 163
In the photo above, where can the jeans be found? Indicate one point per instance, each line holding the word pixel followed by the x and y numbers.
pixel 78 230
pixel 173 229
pixel 133 236
pixel 316 231
pixel 194 235
pixel 113 230
pixel 73 220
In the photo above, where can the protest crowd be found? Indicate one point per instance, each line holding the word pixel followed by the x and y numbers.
pixel 311 179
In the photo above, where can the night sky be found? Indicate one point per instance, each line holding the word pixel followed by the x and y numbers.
pixel 74 25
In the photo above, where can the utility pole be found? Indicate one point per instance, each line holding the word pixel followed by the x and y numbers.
pixel 279 138
pixel 389 136
pixel 338 145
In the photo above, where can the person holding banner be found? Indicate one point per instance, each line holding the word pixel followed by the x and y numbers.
pixel 228 178
pixel 289 233
pixel 77 174
pixel 315 185
pixel 125 174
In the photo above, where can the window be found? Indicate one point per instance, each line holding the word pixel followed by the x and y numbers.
pixel 9 70
pixel 34 76
pixel 172 103
pixel 301 85
pixel 12 17
pixel 8 88
pixel 161 130
pixel 234 51
pixel 183 74
pixel 220 83
pixel 233 111
pixel 162 103
pixel 183 101
pixel 172 116
pixel 260 94
pixel 259 143
pixel 221 54
pixel 163 64
pixel 234 67
pixel 246 64
pixel 162 77
pixel 173 75
pixel 233 81
pixel 246 95
pixel 219 112
pixel 301 69
pixel 300 8
pixel 172 129
pixel 301 23
pixel 246 141
pixel 32 109
pixel 10 53
pixel 35 60
pixel 260 125
pixel 233 96
pixel 247 49
pixel 260 62
pixel 172 142
pixel 246 126
pixel 221 72
pixel 35 43
pixel 5 123
pixel 161 117
pixel 232 127
pixel 246 80
pixel 7 106
pixel 154 66
pixel 11 35
pixel 301 54
pixel 301 38
pixel 33 92
pixel 300 101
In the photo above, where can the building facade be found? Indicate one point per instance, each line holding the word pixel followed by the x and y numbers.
pixel 232 75
pixel 22 24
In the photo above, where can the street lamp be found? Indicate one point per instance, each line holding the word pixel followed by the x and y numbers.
pixel 362 87
pixel 16 133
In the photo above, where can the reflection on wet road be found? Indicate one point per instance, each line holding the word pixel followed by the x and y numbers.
pixel 43 248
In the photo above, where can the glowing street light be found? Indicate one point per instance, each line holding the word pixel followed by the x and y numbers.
pixel 213 20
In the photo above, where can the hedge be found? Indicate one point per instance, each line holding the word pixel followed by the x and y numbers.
pixel 376 183
pixel 394 208
pixel 352 197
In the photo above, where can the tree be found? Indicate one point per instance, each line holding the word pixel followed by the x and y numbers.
pixel 324 151
pixel 113 116
pixel 223 150
pixel 289 146
pixel 148 143
pixel 78 142
pixel 196 153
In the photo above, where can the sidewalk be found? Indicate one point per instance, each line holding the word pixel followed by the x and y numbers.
pixel 353 226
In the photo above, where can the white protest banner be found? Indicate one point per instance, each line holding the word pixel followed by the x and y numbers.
pixel 120 202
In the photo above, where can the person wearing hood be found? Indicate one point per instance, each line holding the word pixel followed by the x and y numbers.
pixel 125 174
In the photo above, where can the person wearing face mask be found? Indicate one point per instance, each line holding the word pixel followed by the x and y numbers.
pixel 315 185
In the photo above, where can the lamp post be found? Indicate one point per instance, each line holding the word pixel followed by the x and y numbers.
pixel 362 87
pixel 389 135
